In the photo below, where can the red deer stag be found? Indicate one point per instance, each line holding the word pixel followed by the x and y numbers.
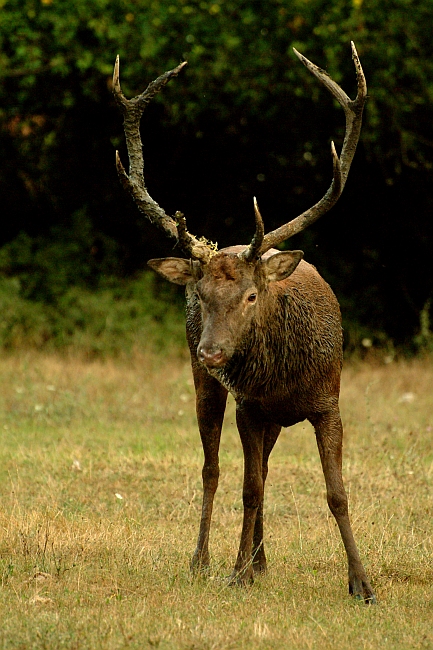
pixel 265 326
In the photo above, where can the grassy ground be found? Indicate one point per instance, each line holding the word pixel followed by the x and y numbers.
pixel 100 490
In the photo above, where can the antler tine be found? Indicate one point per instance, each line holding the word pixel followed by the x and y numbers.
pixel 252 252
pixel 133 182
pixel 353 113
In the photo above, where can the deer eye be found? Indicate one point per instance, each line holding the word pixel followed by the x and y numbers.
pixel 252 297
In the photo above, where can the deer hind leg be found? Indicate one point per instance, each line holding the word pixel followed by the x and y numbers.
pixel 211 400
pixel 329 436
pixel 259 556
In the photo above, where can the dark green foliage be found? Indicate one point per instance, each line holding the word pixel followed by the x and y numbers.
pixel 244 119
pixel 115 320
pixel 47 266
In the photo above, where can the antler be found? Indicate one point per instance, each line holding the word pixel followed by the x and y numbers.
pixel 132 110
pixel 353 112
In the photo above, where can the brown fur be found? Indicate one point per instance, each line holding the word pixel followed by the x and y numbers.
pixel 270 333
pixel 262 326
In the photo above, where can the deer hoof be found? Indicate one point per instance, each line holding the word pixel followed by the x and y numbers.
pixel 199 564
pixel 260 568
pixel 259 560
pixel 242 578
pixel 368 600
pixel 361 590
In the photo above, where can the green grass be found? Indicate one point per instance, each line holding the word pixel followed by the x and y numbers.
pixel 81 567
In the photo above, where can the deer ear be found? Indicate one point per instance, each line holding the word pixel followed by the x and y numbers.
pixel 281 265
pixel 175 269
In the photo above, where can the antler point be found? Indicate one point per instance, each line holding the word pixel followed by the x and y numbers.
pixel 116 74
pixel 298 54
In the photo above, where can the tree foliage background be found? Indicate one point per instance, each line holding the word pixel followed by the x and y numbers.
pixel 245 118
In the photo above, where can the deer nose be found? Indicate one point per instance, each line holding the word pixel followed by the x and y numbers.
pixel 211 357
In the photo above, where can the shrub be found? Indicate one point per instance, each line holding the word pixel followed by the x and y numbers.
pixel 110 320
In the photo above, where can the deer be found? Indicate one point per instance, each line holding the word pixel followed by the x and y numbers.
pixel 263 325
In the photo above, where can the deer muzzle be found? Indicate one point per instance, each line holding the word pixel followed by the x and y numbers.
pixel 211 357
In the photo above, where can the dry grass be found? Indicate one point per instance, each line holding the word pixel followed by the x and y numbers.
pixel 100 491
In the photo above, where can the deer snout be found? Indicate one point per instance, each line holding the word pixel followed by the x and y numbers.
pixel 212 357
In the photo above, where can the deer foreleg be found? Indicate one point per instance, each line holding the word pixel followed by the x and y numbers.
pixel 211 400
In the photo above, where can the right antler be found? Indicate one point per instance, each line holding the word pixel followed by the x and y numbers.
pixel 353 111
pixel 132 110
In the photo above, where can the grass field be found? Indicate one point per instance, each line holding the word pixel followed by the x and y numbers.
pixel 100 489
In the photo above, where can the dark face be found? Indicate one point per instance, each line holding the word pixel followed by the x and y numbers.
pixel 231 293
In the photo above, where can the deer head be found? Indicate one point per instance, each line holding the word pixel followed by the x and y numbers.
pixel 243 274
